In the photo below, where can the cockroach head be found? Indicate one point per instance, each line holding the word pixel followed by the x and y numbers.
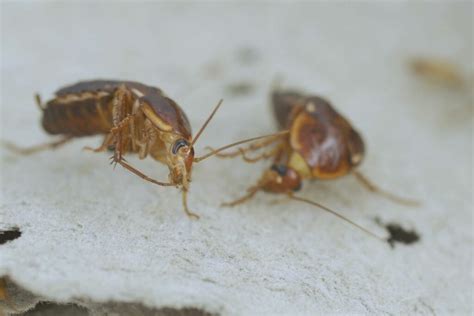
pixel 280 179
pixel 182 148
pixel 182 156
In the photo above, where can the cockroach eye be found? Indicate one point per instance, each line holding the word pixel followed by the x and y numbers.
pixel 178 145
pixel 280 169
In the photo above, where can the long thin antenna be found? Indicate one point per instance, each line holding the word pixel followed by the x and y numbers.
pixel 216 151
pixel 336 214
pixel 203 127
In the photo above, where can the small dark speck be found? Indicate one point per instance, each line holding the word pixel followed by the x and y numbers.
pixel 398 234
pixel 9 235
pixel 240 88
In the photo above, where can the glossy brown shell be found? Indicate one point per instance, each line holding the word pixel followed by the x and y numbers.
pixel 74 111
pixel 325 140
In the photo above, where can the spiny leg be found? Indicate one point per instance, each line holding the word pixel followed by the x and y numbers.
pixel 185 205
pixel 111 136
pixel 37 148
pixel 118 158
pixel 375 189
pixel 121 102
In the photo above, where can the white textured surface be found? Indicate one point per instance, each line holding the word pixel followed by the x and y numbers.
pixel 91 232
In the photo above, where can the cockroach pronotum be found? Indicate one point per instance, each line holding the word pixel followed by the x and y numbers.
pixel 135 118
pixel 321 145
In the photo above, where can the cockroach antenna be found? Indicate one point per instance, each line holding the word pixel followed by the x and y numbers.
pixel 327 209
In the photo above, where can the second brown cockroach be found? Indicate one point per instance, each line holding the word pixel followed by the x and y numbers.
pixel 134 119
pixel 321 145
pixel 438 71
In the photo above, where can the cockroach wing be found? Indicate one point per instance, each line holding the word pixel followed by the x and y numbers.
pixel 325 140
pixel 167 115
pixel 285 105
pixel 106 86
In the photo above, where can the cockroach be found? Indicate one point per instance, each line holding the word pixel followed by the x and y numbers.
pixel 438 71
pixel 135 118
pixel 321 145
pixel 5 297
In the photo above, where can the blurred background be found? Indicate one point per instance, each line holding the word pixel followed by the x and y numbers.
pixel 401 72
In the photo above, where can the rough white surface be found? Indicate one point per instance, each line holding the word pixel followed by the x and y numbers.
pixel 101 234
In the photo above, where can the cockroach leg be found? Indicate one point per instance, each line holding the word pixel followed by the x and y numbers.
pixel 120 101
pixel 375 189
pixel 37 148
pixel 118 131
pixel 185 205
pixel 117 158
pixel 105 144
pixel 133 135
pixel 250 194
pixel 38 102
pixel 141 174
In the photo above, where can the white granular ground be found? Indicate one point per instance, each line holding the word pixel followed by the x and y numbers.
pixel 96 234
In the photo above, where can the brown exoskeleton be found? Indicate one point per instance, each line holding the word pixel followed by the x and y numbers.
pixel 321 145
pixel 135 118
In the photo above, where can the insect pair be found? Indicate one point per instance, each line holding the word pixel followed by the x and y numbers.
pixel 315 142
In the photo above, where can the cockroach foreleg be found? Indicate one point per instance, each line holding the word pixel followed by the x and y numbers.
pixel 121 101
pixel 141 174
pixel 37 148
pixel 117 132
pixel 185 205
pixel 375 189
pixel 250 194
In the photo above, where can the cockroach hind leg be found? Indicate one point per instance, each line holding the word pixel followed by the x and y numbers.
pixel 103 147
pixel 37 148
pixel 186 208
pixel 369 185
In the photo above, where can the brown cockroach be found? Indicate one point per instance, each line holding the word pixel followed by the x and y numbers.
pixel 135 118
pixel 438 71
pixel 321 145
